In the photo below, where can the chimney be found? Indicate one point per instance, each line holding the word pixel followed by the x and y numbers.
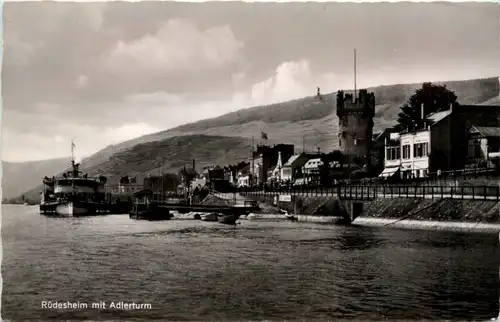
pixel 422 114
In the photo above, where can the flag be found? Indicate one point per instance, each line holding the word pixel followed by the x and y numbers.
pixel 73 144
pixel 263 135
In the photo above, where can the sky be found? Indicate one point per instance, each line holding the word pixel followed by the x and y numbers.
pixel 105 72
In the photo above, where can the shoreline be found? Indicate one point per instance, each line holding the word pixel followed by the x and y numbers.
pixel 455 226
pixel 429 225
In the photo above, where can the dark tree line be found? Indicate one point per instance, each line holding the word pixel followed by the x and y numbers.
pixel 433 98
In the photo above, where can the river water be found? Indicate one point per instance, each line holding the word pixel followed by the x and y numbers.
pixel 193 270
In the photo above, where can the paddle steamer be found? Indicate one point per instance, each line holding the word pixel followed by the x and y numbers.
pixel 73 193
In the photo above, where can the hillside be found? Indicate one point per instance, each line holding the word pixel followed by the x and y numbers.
pixel 307 120
pixel 299 121
pixel 19 177
pixel 175 152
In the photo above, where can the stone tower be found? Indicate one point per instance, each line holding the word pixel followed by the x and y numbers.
pixel 356 125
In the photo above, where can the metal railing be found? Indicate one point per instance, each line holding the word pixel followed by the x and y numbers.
pixel 370 192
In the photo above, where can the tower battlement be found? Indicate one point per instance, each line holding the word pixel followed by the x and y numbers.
pixel 364 104
pixel 356 124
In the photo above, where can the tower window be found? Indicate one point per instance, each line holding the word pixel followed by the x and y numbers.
pixel 358 141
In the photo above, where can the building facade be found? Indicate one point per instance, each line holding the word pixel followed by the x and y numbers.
pixel 293 166
pixel 392 157
pixel 311 171
pixel 356 125
pixel 267 156
pixel 130 184
pixel 483 144
pixel 463 119
pixel 378 154
pixel 243 177
pixel 407 154
pixel 462 136
pixel 415 154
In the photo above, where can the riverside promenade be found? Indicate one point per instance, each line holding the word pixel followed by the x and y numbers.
pixel 397 202
pixel 371 192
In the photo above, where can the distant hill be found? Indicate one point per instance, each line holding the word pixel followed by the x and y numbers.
pixel 19 177
pixel 306 119
pixel 299 121
pixel 175 152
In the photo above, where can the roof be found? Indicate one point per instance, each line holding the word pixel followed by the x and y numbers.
pixel 434 118
pixel 385 133
pixel 438 116
pixel 292 159
pixel 312 163
pixel 244 170
pixel 488 131
pixel 142 193
pixel 271 169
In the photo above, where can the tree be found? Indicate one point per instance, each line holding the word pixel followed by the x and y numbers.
pixel 435 98
pixel 337 155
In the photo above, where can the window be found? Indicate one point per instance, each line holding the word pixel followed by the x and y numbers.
pixel 421 150
pixel 406 151
pixel 358 141
pixel 393 153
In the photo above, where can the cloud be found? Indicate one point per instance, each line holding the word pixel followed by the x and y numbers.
pixel 103 70
pixel 82 81
pixel 56 142
pixel 24 51
pixel 99 127
pixel 292 79
pixel 178 45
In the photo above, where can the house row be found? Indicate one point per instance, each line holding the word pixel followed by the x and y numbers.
pixel 461 137
pixel 298 169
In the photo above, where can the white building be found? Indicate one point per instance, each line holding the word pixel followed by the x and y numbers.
pixel 415 154
pixel 311 170
pixel 407 154
pixel 292 165
pixel 275 172
pixel 243 177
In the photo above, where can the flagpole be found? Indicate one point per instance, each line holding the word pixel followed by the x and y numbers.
pixel 355 85
pixel 72 151
pixel 253 162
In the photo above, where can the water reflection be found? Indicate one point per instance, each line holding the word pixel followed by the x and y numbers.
pixel 192 270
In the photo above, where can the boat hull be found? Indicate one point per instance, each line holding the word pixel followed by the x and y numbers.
pixel 228 219
pixel 149 212
pixel 70 209
pixel 209 217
